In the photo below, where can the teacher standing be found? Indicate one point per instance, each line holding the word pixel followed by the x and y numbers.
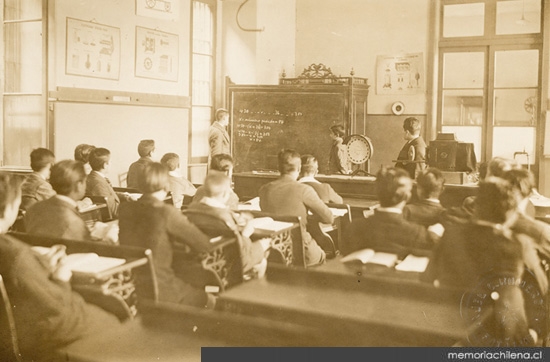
pixel 218 138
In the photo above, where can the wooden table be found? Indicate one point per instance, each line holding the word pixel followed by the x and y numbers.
pixel 370 307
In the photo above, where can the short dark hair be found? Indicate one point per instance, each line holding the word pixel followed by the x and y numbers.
pixel 65 174
pixel 338 130
pixel 220 112
pixel 495 199
pixel 221 162
pixel 430 183
pixel 393 185
pixel 10 190
pixel 145 147
pixel 521 180
pixel 412 124
pixel 82 152
pixel 215 183
pixel 289 161
pixel 155 178
pixel 498 165
pixel 40 158
pixel 170 160
pixel 99 157
pixel 308 164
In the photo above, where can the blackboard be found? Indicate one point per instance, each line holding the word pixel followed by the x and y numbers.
pixel 266 120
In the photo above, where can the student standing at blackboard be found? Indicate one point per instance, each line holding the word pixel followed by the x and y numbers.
pixel 413 153
pixel 338 159
pixel 218 138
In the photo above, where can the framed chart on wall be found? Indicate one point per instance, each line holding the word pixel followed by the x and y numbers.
pixel 92 49
pixel 157 54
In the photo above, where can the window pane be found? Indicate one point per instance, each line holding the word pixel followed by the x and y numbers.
pixel 203 28
pixel 517 68
pixel 23 56
pixel 463 70
pixel 202 80
pixel 199 131
pixel 462 107
pixel 463 20
pixel 23 124
pixel 507 140
pixel 467 134
pixel 516 106
pixel 22 9
pixel 518 17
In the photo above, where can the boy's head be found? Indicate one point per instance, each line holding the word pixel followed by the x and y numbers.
pixel 222 162
pixel 171 160
pixel 393 187
pixel 429 184
pixel 217 185
pixel 155 178
pixel 222 116
pixel 82 152
pixel 10 197
pixel 310 165
pixel 146 148
pixel 496 199
pixel 289 162
pixel 411 126
pixel 99 159
pixel 338 130
pixel 41 158
pixel 499 165
pixel 68 178
pixel 521 180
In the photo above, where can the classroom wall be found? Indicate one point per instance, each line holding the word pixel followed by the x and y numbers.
pixel 115 126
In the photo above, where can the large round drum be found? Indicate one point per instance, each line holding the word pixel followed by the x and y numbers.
pixel 359 149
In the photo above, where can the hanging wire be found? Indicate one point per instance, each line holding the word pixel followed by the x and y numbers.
pixel 239 24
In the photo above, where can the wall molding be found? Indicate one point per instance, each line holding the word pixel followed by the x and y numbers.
pixel 83 95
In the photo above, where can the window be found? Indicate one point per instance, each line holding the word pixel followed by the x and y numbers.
pixel 489 71
pixel 24 102
pixel 202 75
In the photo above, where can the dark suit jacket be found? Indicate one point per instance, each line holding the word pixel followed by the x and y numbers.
pixel 386 231
pixel 35 189
pixel 97 185
pixel 325 192
pixel 56 218
pixel 135 172
pixel 251 252
pixel 218 139
pixel 423 212
pixel 153 224
pixel 48 313
pixel 418 146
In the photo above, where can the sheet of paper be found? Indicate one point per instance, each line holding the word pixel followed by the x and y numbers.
pixel 363 255
pixel 413 264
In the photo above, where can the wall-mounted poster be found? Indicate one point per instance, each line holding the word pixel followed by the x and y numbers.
pixel 403 74
pixel 160 9
pixel 156 54
pixel 92 49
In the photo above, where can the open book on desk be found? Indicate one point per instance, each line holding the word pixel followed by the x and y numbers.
pixel 268 225
pixel 85 263
pixel 373 257
pixel 413 264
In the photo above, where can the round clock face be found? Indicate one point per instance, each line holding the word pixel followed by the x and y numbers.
pixel 359 149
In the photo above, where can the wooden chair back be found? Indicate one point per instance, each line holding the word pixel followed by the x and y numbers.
pixel 105 212
pixel 9 345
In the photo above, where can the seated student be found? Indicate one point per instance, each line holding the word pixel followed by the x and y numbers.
pixel 36 186
pixel 310 167
pixel 59 216
pixel 217 187
pixel 387 230
pixel 135 171
pixel 179 185
pixel 47 313
pixel 286 196
pixel 98 184
pixel 151 223
pixel 484 250
pixel 223 163
pixel 82 154
pixel 427 209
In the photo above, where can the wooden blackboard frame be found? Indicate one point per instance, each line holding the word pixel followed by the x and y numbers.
pixel 272 93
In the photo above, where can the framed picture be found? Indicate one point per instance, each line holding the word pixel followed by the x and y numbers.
pixel 400 74
pixel 92 49
pixel 157 54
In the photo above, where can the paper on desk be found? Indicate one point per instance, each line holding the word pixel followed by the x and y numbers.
pixel 88 263
pixel 338 212
pixel 413 264
pixel 252 204
pixel 268 224
pixel 372 257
